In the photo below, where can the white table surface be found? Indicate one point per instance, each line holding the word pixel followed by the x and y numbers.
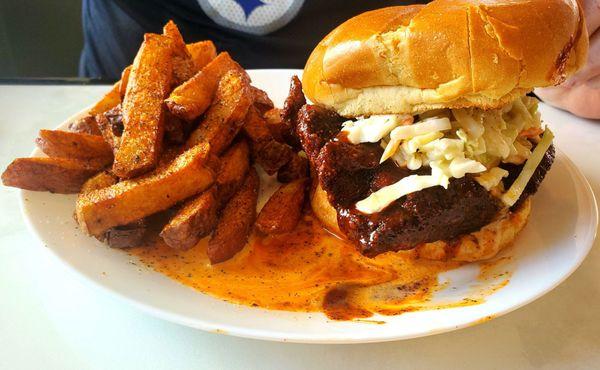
pixel 51 320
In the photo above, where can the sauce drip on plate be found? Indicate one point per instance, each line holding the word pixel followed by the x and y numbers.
pixel 306 270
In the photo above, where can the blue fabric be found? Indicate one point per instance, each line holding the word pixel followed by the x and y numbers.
pixel 113 31
pixel 110 36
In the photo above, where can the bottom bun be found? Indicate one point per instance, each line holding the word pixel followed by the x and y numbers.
pixel 479 245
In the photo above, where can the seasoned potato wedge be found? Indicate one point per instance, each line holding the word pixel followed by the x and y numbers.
pixel 85 125
pixel 149 83
pixel 162 151
pixel 223 120
pixel 183 65
pixel 198 216
pixel 101 180
pixel 191 99
pixel 236 221
pixel 195 220
pixel 134 199
pixel 124 81
pixel 64 144
pixel 283 210
pixel 56 175
pixel 110 124
pixel 124 236
pixel 108 101
pixel 255 126
pixel 235 163
pixel 202 53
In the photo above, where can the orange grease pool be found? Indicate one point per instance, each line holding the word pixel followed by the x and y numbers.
pixel 307 270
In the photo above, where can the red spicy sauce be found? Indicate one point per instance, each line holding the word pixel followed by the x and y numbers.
pixel 307 270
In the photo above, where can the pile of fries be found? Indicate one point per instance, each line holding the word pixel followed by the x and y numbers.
pixel 178 135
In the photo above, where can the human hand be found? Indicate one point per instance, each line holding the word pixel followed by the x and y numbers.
pixel 580 94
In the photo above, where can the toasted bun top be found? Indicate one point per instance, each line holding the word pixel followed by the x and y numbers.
pixel 446 54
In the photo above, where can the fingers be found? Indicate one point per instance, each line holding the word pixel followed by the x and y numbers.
pixel 580 94
pixel 582 100
pixel 591 10
pixel 594 83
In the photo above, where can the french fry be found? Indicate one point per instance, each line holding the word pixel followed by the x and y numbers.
pixel 101 180
pixel 283 210
pixel 223 120
pixel 198 216
pixel 295 169
pixel 124 82
pixel 195 220
pixel 170 153
pixel 149 83
pixel 255 126
pixel 85 125
pixel 125 236
pixel 131 200
pixel 114 97
pixel 183 65
pixel 189 100
pixel 110 124
pixel 56 175
pixel 236 221
pixel 203 180
pixel 108 101
pixel 202 53
pixel 71 145
pixel 235 164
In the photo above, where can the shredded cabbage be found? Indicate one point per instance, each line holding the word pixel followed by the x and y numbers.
pixel 492 136
pixel 374 128
pixel 422 128
pixel 452 142
pixel 516 189
pixel 380 199
pixel 491 178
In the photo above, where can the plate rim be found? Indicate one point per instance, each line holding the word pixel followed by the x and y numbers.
pixel 333 338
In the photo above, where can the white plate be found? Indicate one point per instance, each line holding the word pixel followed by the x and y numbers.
pixel 559 235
